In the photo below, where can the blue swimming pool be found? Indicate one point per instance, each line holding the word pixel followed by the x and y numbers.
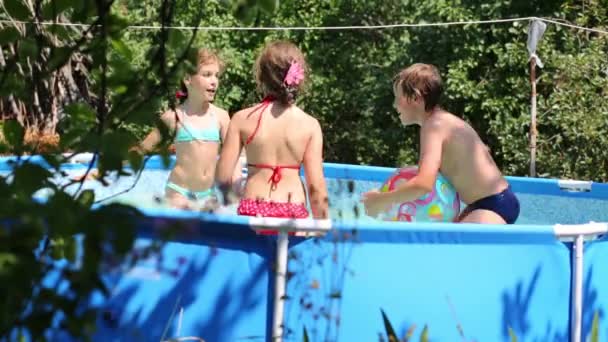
pixel 217 280
pixel 542 201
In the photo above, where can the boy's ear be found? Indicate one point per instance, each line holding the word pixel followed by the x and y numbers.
pixel 418 97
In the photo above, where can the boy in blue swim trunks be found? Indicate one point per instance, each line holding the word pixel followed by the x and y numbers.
pixel 448 145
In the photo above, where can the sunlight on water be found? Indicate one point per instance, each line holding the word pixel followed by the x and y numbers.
pixel 344 197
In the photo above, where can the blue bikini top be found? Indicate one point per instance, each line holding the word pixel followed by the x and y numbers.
pixel 186 133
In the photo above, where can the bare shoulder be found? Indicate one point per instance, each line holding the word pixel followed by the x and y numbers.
pixel 436 123
pixel 221 113
pixel 242 114
pixel 308 120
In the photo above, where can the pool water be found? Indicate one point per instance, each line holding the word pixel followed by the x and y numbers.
pixel 344 197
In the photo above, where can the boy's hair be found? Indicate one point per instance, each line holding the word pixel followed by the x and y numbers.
pixel 271 68
pixel 420 80
pixel 203 56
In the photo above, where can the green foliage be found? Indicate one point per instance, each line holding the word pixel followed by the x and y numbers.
pixel 392 336
pixel 594 335
pixel 17 9
pixel 13 133
pixel 485 69
pixel 305 337
pixel 424 335
pixel 390 331
pixel 101 88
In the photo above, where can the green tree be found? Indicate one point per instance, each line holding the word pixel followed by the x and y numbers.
pixel 97 89
pixel 485 68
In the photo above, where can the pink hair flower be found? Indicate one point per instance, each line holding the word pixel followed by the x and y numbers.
pixel 295 74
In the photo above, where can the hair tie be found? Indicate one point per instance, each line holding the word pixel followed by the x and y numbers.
pixel 180 95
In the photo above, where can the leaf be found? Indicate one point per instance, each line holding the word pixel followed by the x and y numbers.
pixel 70 249
pixel 13 85
pixel 52 160
pixel 409 333
pixel 21 337
pixel 122 74
pixel 122 49
pixel 17 9
pixel 246 13
pixel 9 35
pixel 512 335
pixel 62 214
pixel 305 338
pixel 424 337
pixel 59 57
pixel 28 48
pixel 7 260
pixel 83 9
pixel 177 40
pixel 145 114
pixel 390 332
pixel 13 133
pixel 595 328
pixel 57 245
pixel 120 89
pixel 80 112
pixel 135 160
pixel 30 177
pixel 116 25
pixel 86 198
pixel 268 5
pixel 52 9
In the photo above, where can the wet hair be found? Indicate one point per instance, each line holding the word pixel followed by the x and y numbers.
pixel 204 56
pixel 420 80
pixel 271 68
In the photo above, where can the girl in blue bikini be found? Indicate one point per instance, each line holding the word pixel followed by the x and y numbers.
pixel 199 128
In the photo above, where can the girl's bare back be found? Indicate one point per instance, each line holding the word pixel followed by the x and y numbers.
pixel 275 148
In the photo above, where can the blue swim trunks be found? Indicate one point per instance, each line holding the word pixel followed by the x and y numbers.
pixel 504 203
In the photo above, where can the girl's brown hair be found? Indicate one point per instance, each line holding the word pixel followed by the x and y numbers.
pixel 204 56
pixel 271 68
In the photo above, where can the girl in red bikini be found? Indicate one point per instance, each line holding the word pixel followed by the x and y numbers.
pixel 278 138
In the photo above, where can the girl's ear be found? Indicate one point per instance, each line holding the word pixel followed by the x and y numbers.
pixel 187 81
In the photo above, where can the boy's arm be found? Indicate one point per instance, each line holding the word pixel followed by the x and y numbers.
pixel 431 142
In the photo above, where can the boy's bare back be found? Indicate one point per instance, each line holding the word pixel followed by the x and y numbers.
pixel 466 160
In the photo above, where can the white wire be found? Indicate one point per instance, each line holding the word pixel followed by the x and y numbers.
pixel 313 28
pixel 573 26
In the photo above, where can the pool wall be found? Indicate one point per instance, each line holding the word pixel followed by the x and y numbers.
pixel 215 278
